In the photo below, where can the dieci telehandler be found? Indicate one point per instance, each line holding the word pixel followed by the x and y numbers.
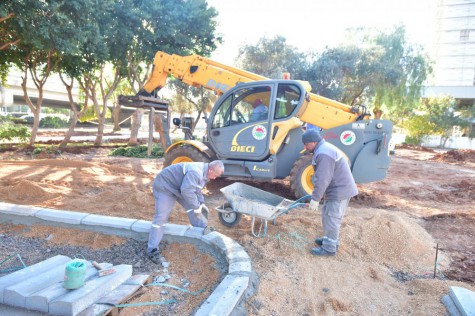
pixel 264 141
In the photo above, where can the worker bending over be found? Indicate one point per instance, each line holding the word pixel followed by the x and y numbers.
pixel 334 183
pixel 180 182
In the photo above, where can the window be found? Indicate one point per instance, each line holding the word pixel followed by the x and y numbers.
pixel 464 35
pixel 288 97
pixel 222 117
pixel 244 106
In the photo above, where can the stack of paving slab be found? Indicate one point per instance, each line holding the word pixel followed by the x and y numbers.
pixel 40 287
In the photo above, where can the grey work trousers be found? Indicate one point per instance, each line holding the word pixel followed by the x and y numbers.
pixel 164 202
pixel 332 216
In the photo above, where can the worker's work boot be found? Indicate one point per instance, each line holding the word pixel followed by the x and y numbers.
pixel 155 256
pixel 319 251
pixel 319 241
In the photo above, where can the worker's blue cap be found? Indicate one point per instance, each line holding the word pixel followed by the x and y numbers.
pixel 311 136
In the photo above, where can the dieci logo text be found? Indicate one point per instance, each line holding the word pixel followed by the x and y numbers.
pixel 243 149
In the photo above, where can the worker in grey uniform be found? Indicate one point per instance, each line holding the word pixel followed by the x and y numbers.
pixel 180 182
pixel 332 181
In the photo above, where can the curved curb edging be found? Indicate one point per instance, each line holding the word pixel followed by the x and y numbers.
pixel 226 295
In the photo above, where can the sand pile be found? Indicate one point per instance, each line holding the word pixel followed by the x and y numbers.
pixel 28 192
pixel 459 155
pixel 392 239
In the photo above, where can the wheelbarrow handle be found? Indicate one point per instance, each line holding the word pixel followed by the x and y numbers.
pixel 298 203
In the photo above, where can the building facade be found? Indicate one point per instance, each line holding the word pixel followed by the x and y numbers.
pixel 12 99
pixel 454 51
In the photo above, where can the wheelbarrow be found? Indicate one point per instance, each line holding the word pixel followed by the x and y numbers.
pixel 257 203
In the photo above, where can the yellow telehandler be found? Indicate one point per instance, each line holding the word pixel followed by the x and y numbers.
pixel 255 126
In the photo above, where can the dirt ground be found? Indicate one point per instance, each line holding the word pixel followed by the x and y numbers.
pixel 385 265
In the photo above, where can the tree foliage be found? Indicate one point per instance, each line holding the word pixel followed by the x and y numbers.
pixel 435 116
pixel 406 69
pixel 181 27
pixel 346 73
pixel 271 58
pixel 96 44
pixel 377 68
pixel 442 113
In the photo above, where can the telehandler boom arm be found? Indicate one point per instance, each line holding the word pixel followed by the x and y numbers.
pixel 199 71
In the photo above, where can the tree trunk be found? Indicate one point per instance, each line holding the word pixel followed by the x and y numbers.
pixel 134 128
pixel 100 133
pixel 70 131
pixel 116 116
pixel 36 124
pixel 196 121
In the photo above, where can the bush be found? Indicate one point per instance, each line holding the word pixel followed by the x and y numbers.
pixel 138 151
pixel 47 150
pixel 417 126
pixel 53 122
pixel 10 131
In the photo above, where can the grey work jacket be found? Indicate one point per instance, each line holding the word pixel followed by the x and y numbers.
pixel 183 180
pixel 333 179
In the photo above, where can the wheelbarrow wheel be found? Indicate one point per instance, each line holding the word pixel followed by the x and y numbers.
pixel 229 217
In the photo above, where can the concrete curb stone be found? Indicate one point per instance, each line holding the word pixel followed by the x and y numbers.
pixel 21 210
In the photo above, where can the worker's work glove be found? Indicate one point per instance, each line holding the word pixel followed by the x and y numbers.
pixel 201 212
pixel 313 205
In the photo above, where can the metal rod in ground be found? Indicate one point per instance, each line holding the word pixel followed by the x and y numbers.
pixel 436 254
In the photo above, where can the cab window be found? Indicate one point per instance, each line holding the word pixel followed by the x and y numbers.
pixel 244 106
pixel 251 105
pixel 288 97
pixel 222 117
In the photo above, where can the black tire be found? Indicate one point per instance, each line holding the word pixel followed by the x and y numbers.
pixel 231 218
pixel 301 176
pixel 184 153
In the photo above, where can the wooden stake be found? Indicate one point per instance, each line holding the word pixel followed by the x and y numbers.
pixel 436 255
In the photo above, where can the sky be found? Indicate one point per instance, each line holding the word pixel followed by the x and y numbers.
pixel 315 24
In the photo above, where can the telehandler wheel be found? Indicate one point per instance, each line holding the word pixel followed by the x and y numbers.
pixel 230 218
pixel 301 176
pixel 184 153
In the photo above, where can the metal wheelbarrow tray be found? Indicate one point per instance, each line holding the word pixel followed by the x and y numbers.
pixel 257 203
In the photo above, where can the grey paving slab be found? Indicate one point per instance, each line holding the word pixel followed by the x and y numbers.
pixel 28 272
pixel 116 296
pixel 39 300
pixel 6 310
pixel 141 226
pixel 175 230
pixel 450 306
pixel 21 210
pixel 234 256
pixel 67 217
pixel 223 242
pixel 77 300
pixel 464 299
pixel 16 294
pixel 194 232
pixel 225 297
pixel 108 221
pixel 240 268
